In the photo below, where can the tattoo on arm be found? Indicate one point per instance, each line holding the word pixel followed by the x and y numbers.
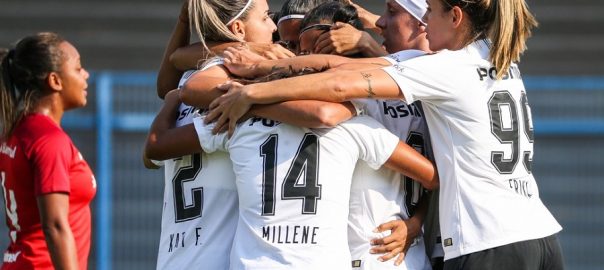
pixel 369 90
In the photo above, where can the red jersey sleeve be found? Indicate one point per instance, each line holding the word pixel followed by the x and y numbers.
pixel 51 155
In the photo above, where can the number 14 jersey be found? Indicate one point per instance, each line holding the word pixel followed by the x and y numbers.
pixel 294 188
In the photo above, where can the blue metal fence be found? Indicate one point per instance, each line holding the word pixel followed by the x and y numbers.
pixel 107 122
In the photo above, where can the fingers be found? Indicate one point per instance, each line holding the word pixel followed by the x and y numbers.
pixel 390 255
pixel 400 258
pixel 387 248
pixel 386 226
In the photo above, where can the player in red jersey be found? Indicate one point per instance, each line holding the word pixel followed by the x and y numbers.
pixel 47 184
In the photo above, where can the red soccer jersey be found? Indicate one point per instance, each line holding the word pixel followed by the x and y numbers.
pixel 40 158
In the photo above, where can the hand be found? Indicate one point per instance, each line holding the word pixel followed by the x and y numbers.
pixel 229 108
pixel 241 61
pixel 271 51
pixel 403 233
pixel 342 39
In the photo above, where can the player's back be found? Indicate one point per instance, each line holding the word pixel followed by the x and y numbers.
pixel 294 187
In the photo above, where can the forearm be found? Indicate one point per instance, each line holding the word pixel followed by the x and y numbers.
pixel 164 140
pixel 329 86
pixel 54 217
pixel 169 75
pixel 61 245
pixel 200 91
pixel 411 163
pixel 306 113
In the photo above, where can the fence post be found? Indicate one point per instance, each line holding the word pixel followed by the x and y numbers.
pixel 104 168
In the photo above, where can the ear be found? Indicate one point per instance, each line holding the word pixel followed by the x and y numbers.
pixel 54 81
pixel 458 16
pixel 238 28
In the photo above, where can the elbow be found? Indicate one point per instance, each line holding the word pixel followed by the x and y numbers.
pixel 433 183
pixel 153 149
pixel 327 118
pixel 186 94
pixel 54 227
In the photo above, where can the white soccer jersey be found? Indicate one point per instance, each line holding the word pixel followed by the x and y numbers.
pixel 482 137
pixel 200 213
pixel 385 195
pixel 294 189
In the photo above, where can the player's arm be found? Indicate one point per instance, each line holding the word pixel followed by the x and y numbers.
pixel 411 163
pixel 166 141
pixel 368 18
pixel 168 75
pixel 54 216
pixel 189 57
pixel 201 89
pixel 336 86
pixel 403 234
pixel 244 63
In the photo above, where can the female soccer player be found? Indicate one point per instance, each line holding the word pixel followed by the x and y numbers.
pixel 200 200
pixel 480 123
pixel 46 182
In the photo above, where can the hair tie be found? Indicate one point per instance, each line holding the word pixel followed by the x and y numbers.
pixel 247 5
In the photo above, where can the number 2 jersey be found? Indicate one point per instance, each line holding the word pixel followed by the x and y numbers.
pixel 294 189
pixel 482 136
pixel 199 213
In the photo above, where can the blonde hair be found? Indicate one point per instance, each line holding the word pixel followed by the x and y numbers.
pixel 507 23
pixel 209 18
pixel 23 73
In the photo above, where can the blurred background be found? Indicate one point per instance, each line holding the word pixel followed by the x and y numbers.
pixel 122 43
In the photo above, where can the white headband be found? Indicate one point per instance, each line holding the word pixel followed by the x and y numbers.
pixel 289 17
pixel 417 8
pixel 247 5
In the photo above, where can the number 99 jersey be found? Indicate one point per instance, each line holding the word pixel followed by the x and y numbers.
pixel 482 136
pixel 294 188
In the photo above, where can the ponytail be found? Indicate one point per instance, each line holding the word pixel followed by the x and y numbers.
pixel 509 32
pixel 507 23
pixel 8 96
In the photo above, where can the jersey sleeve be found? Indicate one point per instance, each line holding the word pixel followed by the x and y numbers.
pixel 51 156
pixel 397 57
pixel 376 144
pixel 209 142
pixel 423 78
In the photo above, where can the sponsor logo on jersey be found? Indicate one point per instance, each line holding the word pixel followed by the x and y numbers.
pixel 290 234
pixel 7 150
pixel 264 122
pixel 11 257
pixel 491 73
pixel 187 111
pixel 401 110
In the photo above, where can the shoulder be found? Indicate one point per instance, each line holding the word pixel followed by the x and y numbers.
pixel 38 132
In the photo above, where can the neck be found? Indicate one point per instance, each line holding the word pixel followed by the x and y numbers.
pixel 50 106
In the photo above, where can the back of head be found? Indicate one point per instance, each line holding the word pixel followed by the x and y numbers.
pixel 507 24
pixel 210 18
pixel 332 12
pixel 24 70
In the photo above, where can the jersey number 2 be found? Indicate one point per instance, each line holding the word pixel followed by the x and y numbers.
pixel 500 103
pixel 184 212
pixel 305 164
